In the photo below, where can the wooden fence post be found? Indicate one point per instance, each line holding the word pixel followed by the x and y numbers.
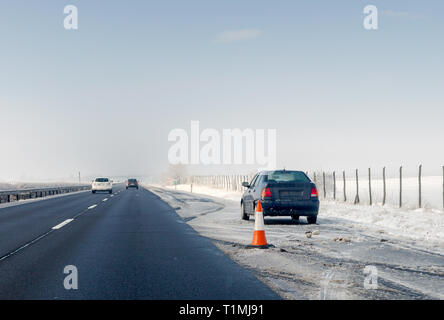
pixel 334 185
pixel 384 187
pixel 357 188
pixel 370 186
pixel 323 182
pixel 400 186
pixel 419 186
pixel 343 177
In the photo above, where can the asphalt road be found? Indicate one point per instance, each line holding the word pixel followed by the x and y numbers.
pixel 130 245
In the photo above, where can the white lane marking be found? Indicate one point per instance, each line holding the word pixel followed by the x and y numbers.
pixel 111 195
pixel 26 245
pixel 106 199
pixel 64 223
pixel 6 256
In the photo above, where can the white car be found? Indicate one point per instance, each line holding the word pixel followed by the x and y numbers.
pixel 102 184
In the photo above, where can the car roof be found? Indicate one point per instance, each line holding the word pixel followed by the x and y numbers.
pixel 273 171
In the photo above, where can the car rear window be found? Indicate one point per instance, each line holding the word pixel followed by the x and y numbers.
pixel 102 180
pixel 287 176
pixel 132 180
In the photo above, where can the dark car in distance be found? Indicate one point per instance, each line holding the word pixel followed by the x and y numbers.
pixel 132 183
pixel 282 193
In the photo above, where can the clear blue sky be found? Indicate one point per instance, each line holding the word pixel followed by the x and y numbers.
pixel 340 97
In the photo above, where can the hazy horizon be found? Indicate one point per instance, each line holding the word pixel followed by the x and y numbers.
pixel 101 100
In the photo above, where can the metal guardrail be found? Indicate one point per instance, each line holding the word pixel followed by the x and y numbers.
pixel 24 194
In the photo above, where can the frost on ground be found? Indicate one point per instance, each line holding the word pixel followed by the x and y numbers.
pixel 327 260
pixel 424 225
pixel 6 186
pixel 432 191
pixel 25 185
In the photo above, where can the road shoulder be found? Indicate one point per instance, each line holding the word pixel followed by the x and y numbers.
pixel 324 261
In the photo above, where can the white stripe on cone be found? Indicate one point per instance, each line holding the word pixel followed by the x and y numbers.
pixel 259 220
pixel 259 238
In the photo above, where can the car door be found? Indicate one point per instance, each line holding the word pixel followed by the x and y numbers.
pixel 257 190
pixel 249 196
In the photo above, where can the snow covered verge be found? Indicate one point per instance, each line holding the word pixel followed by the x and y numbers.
pixel 25 186
pixel 5 186
pixel 425 225
pixel 323 261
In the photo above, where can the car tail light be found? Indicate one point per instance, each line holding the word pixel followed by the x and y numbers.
pixel 266 193
pixel 314 193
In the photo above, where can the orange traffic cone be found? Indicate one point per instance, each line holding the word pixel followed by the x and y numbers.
pixel 259 239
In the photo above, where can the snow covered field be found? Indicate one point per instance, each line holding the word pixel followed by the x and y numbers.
pixel 425 225
pixel 432 191
pixel 327 260
pixel 5 186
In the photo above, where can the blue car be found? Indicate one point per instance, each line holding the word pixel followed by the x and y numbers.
pixel 282 193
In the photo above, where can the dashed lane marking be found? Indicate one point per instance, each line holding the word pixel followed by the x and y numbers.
pixel 64 223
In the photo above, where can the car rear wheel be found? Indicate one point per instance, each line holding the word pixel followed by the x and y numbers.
pixel 94 191
pixel 312 220
pixel 243 214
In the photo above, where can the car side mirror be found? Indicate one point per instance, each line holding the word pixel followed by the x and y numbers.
pixel 245 184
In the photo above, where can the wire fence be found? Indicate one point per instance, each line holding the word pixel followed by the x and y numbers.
pixel 373 187
pixel 367 187
pixel 225 182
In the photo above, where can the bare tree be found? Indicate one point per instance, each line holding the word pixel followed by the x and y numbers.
pixel 175 174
